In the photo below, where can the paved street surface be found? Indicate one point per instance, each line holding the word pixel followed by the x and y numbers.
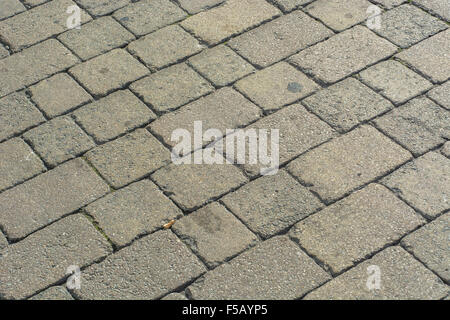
pixel 92 206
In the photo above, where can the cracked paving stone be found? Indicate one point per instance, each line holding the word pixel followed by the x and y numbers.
pixel 9 8
pixel 102 7
pixel 195 6
pixel 275 269
pixel 57 293
pixel 148 269
pixel 441 95
pixel 42 258
pixel 349 230
pixel 423 183
pixel 438 7
pixel 402 278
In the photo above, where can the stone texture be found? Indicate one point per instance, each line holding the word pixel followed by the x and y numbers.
pixel 349 230
pixel 17 163
pixel 42 258
pixel 446 149
pixel 221 65
pixel 48 197
pixel 58 95
pixel 3 52
pixel 129 158
pixel 107 72
pixel 102 7
pixel 423 183
pixel 389 4
pixel 157 52
pixel 135 210
pixel 419 125
pixel 407 25
pixel 395 81
pixel 402 278
pixel 233 17
pixel 38 24
pixel 441 95
pixel 195 6
pixel 279 38
pixel 276 86
pixel 346 104
pixel 348 162
pixel 343 54
pixel 113 115
pixel 175 296
pixel 288 5
pixel 431 56
pixel 3 242
pixel 271 204
pixel 146 16
pixel 17 114
pixel 171 88
pixel 339 14
pixel 34 64
pixel 430 244
pixel 10 7
pixel 214 234
pixel 96 37
pixel 437 7
pixel 148 269
pixel 57 293
pixel 251 275
pixel 59 140
pixel 34 3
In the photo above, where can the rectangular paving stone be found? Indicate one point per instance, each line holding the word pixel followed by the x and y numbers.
pixel 148 269
pixel 275 269
pixel 9 8
pixel 423 183
pixel 195 6
pixel 233 17
pixel 38 24
pixel 271 204
pixel 17 114
pixel 339 14
pixel 221 65
pixel 102 7
pixel 172 87
pixel 279 38
pixel 419 125
pixel 440 8
pixel 346 232
pixel 42 258
pixel 346 104
pixel 48 197
pixel 214 234
pixel 441 95
pixel 145 16
pixel 430 244
pixel 276 86
pixel 58 95
pixel 34 64
pixel 57 293
pixel 96 37
pixel 113 115
pixel 395 81
pixel 343 54
pixel 129 158
pixel 347 162
pixel 402 278
pixel 406 25
pixel 107 72
pixel 155 51
pixel 288 5
pixel 223 109
pixel 18 163
pixel 59 140
pixel 137 209
pixel 430 57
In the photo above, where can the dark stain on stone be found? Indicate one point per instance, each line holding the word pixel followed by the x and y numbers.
pixel 294 87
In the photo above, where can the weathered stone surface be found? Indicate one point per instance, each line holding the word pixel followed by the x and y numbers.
pixel 423 183
pixel 10 7
pixel 3 52
pixel 135 210
pixel 288 5
pixel 446 149
pixel 113 115
pixel 346 104
pixel 389 4
pixel 279 38
pixel 251 275
pixel 17 163
pixel 343 54
pixel 419 125
pixel 347 162
pixel 43 258
pixel 233 17
pixel 57 293
pixel 276 86
pixel 129 158
pixel 148 269
pixel 402 278
pixel 49 196
pixel 437 7
pixel 195 6
pixel 175 296
pixel 102 7
pixel 350 230
pixel 34 3
pixel 441 95
pixel 59 140
pixel 3 242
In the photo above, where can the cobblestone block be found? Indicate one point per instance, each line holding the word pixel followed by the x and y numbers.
pixel 57 293
pixel 437 7
pixel 441 95
pixel 9 8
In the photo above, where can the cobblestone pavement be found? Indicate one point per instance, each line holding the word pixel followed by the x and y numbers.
pixel 359 208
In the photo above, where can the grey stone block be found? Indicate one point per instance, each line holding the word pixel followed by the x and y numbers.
pixel 441 95
pixel 10 7
pixel 440 8
pixel 102 7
